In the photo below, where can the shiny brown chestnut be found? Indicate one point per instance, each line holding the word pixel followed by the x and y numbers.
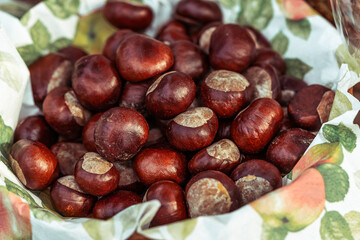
pixel 204 36
pixel 255 178
pixel 120 133
pixel 95 175
pixel 140 57
pixel 264 80
pixel 113 42
pixel 88 133
pixel 269 56
pixel 222 156
pixel 96 82
pixel 124 14
pixel 67 155
pixel 73 53
pixel 160 163
pixel 289 86
pixel 288 147
pixel 128 180
pixel 211 193
pixel 37 129
pixel 259 39
pixel 171 94
pixel 253 128
pixel 171 32
pixel 224 130
pixel 172 200
pixel 192 130
pixel 309 104
pixel 64 113
pixel 197 12
pixel 69 199
pixel 231 48
pixel 48 72
pixel 114 203
pixel 189 59
pixel 225 92
pixel 33 163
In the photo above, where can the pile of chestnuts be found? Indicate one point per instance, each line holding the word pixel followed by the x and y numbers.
pixel 202 118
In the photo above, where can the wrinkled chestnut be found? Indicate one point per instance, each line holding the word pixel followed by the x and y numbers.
pixel 33 163
pixel 96 82
pixel 171 32
pixel 189 59
pixel 222 156
pixel 114 203
pixel 198 12
pixel 290 86
pixel 69 199
pixel 192 130
pixel 113 42
pixel 259 39
pixel 255 178
pixel 128 180
pixel 88 133
pixel 124 14
pixel 120 133
pixel 72 53
pixel 288 147
pixel 68 154
pixel 269 56
pixel 253 128
pixel 205 34
pixel 37 129
pixel 172 200
pixel 264 80
pixel 140 57
pixel 211 193
pixel 171 94
pixel 231 48
pixel 48 72
pixel 160 163
pixel 225 92
pixel 64 113
pixel 306 108
pixel 95 175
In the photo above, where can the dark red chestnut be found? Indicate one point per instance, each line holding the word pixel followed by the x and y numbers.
pixel 290 86
pixel 304 107
pixel 140 57
pixel 64 113
pixel 222 156
pixel 113 42
pixel 171 32
pixel 172 200
pixel 189 59
pixel 124 14
pixel 269 56
pixel 211 193
pixel 192 130
pixel 114 203
pixel 95 175
pixel 198 12
pixel 33 163
pixel 155 137
pixel 205 34
pixel 231 48
pixel 288 147
pixel 255 178
pixel 69 199
pixel 160 163
pixel 48 72
pixel 224 130
pixel 96 82
pixel 264 81
pixel 225 92
pixel 171 94
pixel 253 128
pixel 259 39
pixel 72 53
pixel 120 133
pixel 37 129
pixel 88 133
pixel 68 154
pixel 128 180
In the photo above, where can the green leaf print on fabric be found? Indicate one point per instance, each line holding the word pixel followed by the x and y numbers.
pixel 257 13
pixel 341 105
pixel 301 28
pixel 59 44
pixel 100 230
pixel 270 233
pixel 353 219
pixel 5 138
pixel 296 68
pixel 28 53
pixel 63 8
pixel 21 192
pixel 334 227
pixel 280 43
pixel 40 35
pixel 9 71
